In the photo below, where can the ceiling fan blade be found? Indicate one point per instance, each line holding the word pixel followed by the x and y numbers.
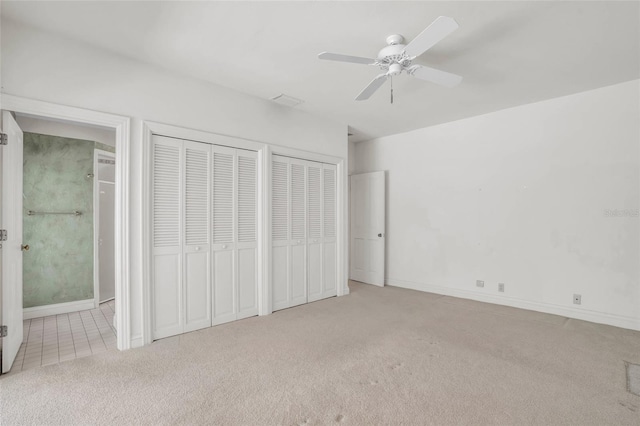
pixel 433 75
pixel 375 84
pixel 345 58
pixel 439 29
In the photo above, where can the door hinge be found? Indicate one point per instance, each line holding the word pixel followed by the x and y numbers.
pixel 3 235
pixel 4 139
pixel 3 331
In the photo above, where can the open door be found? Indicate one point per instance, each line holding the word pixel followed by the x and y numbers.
pixel 11 252
pixel 368 228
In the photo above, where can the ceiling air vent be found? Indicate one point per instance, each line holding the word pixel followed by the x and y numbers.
pixel 286 100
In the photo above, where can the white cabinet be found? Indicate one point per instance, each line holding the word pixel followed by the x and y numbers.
pixel 303 222
pixel 204 235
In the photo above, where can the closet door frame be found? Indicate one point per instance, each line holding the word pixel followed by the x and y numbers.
pixel 264 153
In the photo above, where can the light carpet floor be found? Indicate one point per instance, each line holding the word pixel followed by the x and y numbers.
pixel 378 356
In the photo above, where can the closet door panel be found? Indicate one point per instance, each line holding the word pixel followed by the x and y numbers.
pixel 314 229
pixel 223 226
pixel 197 291
pixel 315 271
pixel 280 277
pixel 329 227
pixel 166 194
pixel 298 224
pixel 280 234
pixel 247 283
pixel 197 208
pixel 329 271
pixel 298 274
pixel 224 300
pixel 247 220
pixel 166 294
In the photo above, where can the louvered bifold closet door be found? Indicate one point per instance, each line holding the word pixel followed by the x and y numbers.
pixel 235 231
pixel 314 229
pixel 280 234
pixel 329 231
pixel 197 247
pixel 166 236
pixel 247 236
pixel 298 234
pixel 224 230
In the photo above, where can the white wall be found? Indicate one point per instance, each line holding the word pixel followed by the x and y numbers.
pixel 66 130
pixel 520 196
pixel 47 67
pixel 352 160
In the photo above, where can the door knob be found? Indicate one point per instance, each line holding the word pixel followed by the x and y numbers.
pixel 380 235
pixel 24 247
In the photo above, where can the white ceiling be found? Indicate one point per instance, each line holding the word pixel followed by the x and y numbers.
pixel 510 53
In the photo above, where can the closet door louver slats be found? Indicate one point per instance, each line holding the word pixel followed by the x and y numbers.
pixel 223 197
pixel 166 196
pixel 298 222
pixel 329 214
pixel 315 212
pixel 280 201
pixel 197 197
pixel 247 197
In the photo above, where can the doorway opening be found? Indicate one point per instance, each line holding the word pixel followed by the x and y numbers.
pixel 66 216
pixel 68 235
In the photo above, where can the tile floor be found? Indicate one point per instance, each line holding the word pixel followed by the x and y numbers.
pixel 64 337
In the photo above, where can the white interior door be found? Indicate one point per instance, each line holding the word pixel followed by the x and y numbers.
pixel 368 228
pixel 11 252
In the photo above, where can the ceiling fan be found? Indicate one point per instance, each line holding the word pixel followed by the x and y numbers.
pixel 397 57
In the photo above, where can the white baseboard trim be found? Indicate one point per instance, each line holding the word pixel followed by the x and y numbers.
pixel 58 308
pixel 581 314
pixel 137 342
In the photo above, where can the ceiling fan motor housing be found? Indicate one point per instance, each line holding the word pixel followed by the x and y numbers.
pixel 393 57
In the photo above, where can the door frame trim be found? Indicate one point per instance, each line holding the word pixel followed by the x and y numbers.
pixel 265 151
pixel 96 223
pixel 121 125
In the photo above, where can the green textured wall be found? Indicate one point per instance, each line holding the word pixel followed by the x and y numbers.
pixel 58 267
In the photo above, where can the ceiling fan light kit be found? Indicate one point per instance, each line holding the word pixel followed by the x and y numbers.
pixel 397 57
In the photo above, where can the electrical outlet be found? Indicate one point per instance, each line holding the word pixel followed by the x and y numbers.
pixel 501 287
pixel 577 299
pixel 479 283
